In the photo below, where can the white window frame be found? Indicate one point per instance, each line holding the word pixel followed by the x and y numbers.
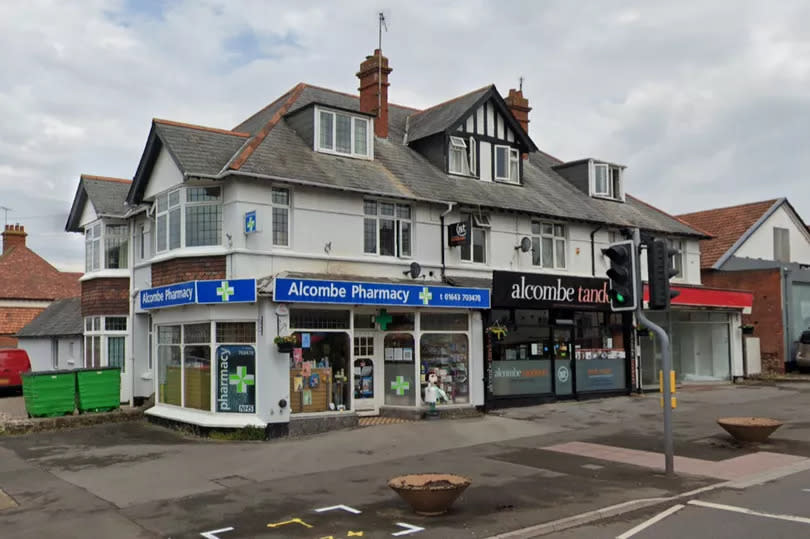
pixel 93 241
pixel 316 137
pixel 473 157
pixel 679 258
pixel 555 239
pixel 512 157
pixel 482 225
pixel 610 189
pixel 181 205
pixel 457 145
pixel 606 192
pixel 95 327
pixel 397 227
pixel 273 206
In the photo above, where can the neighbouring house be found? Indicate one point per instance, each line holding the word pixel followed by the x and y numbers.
pixel 763 247
pixel 328 254
pixel 99 212
pixel 54 339
pixel 28 284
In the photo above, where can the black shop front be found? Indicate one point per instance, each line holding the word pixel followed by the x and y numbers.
pixel 553 337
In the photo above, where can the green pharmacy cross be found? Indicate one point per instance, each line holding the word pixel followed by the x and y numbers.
pixel 400 385
pixel 241 379
pixel 225 291
pixel 425 295
pixel 383 318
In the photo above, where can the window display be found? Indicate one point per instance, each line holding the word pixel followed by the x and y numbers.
pixel 400 389
pixel 319 372
pixel 446 355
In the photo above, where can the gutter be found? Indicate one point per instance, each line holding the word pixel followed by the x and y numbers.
pixel 450 206
pixel 593 249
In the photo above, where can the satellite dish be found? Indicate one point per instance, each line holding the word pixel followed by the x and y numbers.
pixel 415 270
pixel 525 244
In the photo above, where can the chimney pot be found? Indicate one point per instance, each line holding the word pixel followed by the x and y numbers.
pixel 373 89
pixel 13 236
pixel 520 108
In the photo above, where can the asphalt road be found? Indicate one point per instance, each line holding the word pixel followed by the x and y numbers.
pixel 778 509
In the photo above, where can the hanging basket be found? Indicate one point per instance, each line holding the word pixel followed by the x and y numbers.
pixel 285 347
pixel 747 330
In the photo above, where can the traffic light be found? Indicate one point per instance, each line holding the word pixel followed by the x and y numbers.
pixel 623 274
pixel 660 270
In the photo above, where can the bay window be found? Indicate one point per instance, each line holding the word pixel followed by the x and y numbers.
pixel 106 246
pixel 198 208
pixel 342 133
pixel 548 245
pixel 105 341
pixel 92 248
pixel 386 228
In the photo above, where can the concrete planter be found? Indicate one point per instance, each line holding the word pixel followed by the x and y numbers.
pixel 749 429
pixel 429 494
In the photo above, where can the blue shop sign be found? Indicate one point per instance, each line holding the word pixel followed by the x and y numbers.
pixel 250 222
pixel 199 292
pixel 363 293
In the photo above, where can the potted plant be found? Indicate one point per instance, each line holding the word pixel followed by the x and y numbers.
pixel 747 329
pixel 285 343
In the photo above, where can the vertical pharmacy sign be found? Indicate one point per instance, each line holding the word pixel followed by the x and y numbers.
pixel 236 379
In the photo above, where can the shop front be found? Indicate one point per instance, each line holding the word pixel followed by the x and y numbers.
pixel 368 347
pixel 551 337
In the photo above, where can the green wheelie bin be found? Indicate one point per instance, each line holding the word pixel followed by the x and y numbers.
pixel 99 389
pixel 49 393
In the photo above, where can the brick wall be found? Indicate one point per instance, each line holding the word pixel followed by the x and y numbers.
pixel 179 270
pixel 105 296
pixel 766 313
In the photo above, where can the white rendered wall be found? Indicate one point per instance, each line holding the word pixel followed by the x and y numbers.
pixel 760 243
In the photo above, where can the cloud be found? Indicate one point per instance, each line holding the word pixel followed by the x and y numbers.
pixel 706 103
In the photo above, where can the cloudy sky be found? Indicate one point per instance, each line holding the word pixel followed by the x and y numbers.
pixel 707 103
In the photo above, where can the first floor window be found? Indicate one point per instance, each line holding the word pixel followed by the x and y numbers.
pixel 386 228
pixel 116 246
pixel 189 217
pixel 92 247
pixel 475 250
pixel 548 245
pixel 281 216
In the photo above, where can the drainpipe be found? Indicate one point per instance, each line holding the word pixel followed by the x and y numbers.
pixel 450 206
pixel 593 250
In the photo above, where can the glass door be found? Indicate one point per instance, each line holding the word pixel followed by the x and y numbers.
pixel 366 369
pixel 562 345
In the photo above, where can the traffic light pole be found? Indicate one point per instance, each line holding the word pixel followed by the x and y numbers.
pixel 666 365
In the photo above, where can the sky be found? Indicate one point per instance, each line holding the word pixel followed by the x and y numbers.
pixel 706 103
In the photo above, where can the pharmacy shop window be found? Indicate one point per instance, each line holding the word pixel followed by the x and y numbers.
pixel 445 353
pixel 319 372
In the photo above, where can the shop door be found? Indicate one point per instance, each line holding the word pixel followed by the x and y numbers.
pixel 116 357
pixel 367 373
pixel 562 345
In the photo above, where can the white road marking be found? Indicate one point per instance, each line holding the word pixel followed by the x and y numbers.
pixel 746 511
pixel 647 523
pixel 409 529
pixel 211 534
pixel 343 507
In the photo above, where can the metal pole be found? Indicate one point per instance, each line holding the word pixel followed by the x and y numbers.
pixel 666 366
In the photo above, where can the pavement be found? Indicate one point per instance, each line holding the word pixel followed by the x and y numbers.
pixel 529 467
pixel 12 405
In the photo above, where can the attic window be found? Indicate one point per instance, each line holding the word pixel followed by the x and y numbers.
pixel 342 134
pixel 607 181
pixel 507 164
pixel 462 156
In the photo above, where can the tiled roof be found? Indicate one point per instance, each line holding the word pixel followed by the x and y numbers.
pixel 397 170
pixel 26 275
pixel 13 319
pixel 62 317
pixel 726 225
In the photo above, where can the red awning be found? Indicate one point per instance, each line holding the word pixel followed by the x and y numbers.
pixel 702 296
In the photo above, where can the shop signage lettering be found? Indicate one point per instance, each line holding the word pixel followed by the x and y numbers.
pixel 236 384
pixel 361 293
pixel 458 233
pixel 524 377
pixel 199 292
pixel 513 289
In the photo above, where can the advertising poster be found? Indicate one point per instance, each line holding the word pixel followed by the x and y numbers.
pixel 236 379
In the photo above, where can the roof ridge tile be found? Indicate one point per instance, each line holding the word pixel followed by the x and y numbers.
pixel 104 178
pixel 200 127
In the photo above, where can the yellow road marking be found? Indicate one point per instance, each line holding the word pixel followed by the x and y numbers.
pixel 291 521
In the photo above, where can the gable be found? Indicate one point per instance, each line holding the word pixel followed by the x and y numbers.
pixel 88 214
pixel 760 243
pixel 487 120
pixel 165 174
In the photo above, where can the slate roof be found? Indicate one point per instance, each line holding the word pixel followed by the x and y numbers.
pixel 62 317
pixel 442 116
pixel 726 225
pixel 106 195
pixel 277 151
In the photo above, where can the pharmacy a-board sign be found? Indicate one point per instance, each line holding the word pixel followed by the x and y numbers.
pixel 236 379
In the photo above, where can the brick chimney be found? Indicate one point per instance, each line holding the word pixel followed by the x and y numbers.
pixel 520 108
pixel 373 77
pixel 13 236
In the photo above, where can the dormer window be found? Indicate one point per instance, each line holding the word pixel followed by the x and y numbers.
pixel 507 164
pixel 462 156
pixel 607 181
pixel 343 134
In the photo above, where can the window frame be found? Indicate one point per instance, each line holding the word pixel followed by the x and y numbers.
pixel 353 119
pixel 512 156
pixel 277 205
pixel 614 181
pixel 457 145
pixel 95 327
pixel 398 221
pixel 481 224
pixel 95 245
pixel 555 239
pixel 606 192
pixel 181 206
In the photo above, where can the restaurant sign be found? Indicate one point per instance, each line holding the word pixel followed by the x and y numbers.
pixel 458 233
pixel 544 291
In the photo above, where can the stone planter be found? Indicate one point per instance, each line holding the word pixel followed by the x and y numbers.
pixel 429 494
pixel 749 429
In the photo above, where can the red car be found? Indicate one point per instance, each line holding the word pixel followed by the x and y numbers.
pixel 13 363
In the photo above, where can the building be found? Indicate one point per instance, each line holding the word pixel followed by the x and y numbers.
pixel 320 259
pixel 99 212
pixel 28 284
pixel 54 339
pixel 763 247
